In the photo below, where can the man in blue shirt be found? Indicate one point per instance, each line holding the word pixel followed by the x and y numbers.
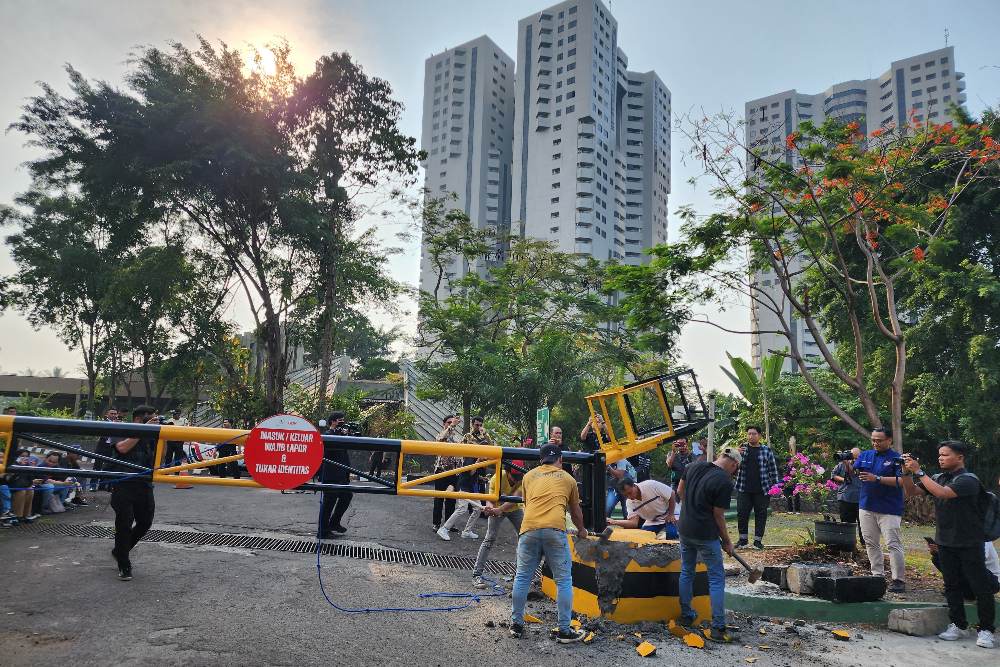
pixel 881 506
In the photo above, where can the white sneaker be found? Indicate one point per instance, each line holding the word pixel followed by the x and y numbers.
pixel 442 532
pixel 479 583
pixel 985 639
pixel 953 633
pixel 469 535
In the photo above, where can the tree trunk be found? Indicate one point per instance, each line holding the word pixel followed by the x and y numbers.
pixel 276 366
pixel 467 411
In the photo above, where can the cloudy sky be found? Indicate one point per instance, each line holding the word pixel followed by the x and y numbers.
pixel 712 54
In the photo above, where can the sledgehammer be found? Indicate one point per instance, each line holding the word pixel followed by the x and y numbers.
pixel 755 572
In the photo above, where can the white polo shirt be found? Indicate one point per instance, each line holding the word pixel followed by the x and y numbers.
pixel 654 512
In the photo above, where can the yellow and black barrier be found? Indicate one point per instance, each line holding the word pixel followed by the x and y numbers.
pixel 632 577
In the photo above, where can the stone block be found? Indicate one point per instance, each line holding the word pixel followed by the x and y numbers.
pixel 777 575
pixel 802 575
pixel 919 621
pixel 849 589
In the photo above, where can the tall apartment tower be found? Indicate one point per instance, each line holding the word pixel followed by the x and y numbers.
pixel 924 86
pixel 468 130
pixel 591 168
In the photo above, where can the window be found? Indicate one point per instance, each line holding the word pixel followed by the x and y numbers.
pixel 946 85
pixel 557 156
pixel 555 186
pixel 554 200
pixel 944 60
pixel 930 76
pixel 556 142
pixel 570 81
pixel 917 93
pixel 929 64
pixel 915 79
pixel 571 38
pixel 945 72
pixel 554 214
pixel 570 109
pixel 914 68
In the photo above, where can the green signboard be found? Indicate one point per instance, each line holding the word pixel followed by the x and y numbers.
pixel 541 426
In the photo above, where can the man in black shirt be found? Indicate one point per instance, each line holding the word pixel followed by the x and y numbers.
pixel 705 492
pixel 106 447
pixel 132 496
pixel 960 535
pixel 335 503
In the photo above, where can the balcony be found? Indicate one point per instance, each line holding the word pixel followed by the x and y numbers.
pixel 584 218
pixel 585 174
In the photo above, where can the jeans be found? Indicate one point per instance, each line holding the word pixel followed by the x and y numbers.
pixel 613 499
pixel 758 503
pixel 492 528
pixel 134 506
pixel 710 553
pixel 4 499
pixel 875 526
pixel 671 529
pixel 967 565
pixel 531 546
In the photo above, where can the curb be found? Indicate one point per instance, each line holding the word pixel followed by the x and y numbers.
pixel 815 609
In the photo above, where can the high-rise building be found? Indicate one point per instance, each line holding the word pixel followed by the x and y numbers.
pixel 468 129
pixel 591 167
pixel 923 86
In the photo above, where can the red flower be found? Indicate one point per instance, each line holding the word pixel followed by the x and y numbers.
pixel 918 254
pixel 790 140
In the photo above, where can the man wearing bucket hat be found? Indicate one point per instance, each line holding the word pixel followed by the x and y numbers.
pixel 705 491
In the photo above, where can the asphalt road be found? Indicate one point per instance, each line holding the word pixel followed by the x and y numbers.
pixel 204 605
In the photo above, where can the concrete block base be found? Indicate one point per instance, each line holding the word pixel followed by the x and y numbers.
pixel 919 622
pixel 849 589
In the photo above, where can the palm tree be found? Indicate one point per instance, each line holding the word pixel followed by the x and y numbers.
pixel 754 387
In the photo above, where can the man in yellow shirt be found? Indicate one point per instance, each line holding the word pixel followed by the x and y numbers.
pixel 548 492
pixel 507 483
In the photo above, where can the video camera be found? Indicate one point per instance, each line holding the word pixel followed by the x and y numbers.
pixel 843 456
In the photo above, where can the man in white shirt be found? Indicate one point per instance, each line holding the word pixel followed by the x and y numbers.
pixel 653 502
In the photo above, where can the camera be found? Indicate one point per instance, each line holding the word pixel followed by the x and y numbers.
pixel 161 419
pixel 843 456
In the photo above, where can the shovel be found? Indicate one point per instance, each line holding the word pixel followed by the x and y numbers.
pixel 755 572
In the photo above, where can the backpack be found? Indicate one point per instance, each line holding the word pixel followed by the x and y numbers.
pixel 989 507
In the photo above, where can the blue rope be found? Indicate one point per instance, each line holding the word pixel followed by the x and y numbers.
pixel 473 598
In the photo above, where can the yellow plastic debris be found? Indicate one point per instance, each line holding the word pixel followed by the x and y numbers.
pixel 694 641
pixel 589 638
pixel 676 630
pixel 528 618
pixel 750 659
pixel 638 635
pixel 620 637
pixel 764 647
pixel 842 635
pixel 645 649
pixel 762 631
pixel 575 624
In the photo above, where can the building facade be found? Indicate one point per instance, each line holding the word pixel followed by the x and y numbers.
pixel 922 87
pixel 467 132
pixel 591 168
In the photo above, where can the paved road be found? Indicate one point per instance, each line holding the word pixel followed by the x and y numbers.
pixel 224 606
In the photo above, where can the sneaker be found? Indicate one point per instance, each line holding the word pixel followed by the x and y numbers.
pixel 758 544
pixel 897 586
pixel 339 529
pixel 29 519
pixel 32 517
pixel 479 583
pixel 435 526
pixel 125 573
pixel 722 636
pixel 516 631
pixel 570 636
pixel 742 543
pixel 953 633
pixel 80 501
pixel 687 622
pixel 442 532
pixel 985 639
pixel 469 535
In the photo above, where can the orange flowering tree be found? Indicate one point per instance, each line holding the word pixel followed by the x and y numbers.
pixel 834 218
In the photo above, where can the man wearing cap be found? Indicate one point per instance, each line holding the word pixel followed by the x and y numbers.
pixel 705 491
pixel 132 496
pixel 548 492
pixel 507 483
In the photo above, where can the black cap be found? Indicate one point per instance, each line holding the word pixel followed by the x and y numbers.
pixel 550 453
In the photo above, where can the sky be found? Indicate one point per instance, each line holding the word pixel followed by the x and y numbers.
pixel 714 55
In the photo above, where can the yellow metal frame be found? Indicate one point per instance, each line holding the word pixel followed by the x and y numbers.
pixel 615 448
pixel 490 456
pixel 7 435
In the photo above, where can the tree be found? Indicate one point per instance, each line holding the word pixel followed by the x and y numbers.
pixel 859 216
pixel 755 388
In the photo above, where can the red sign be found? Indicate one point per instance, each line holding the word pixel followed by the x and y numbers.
pixel 283 452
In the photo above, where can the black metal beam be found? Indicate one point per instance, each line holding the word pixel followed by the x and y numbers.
pixel 77 472
pixel 82 452
pixel 370 478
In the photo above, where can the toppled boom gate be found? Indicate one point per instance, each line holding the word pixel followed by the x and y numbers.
pixel 639 417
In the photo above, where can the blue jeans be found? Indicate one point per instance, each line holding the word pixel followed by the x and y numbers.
pixel 671 529
pixel 612 500
pixel 555 546
pixel 710 553
pixel 4 499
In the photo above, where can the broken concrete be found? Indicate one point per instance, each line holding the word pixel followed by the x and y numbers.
pixel 801 576
pixel 611 558
pixel 919 622
pixel 777 575
pixel 849 589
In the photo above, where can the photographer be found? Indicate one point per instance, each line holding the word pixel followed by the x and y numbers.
pixel 849 489
pixel 335 503
pixel 445 507
pixel 679 458
pixel 881 506
pixel 960 535
pixel 132 496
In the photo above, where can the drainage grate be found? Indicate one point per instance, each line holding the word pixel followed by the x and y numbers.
pixel 424 558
